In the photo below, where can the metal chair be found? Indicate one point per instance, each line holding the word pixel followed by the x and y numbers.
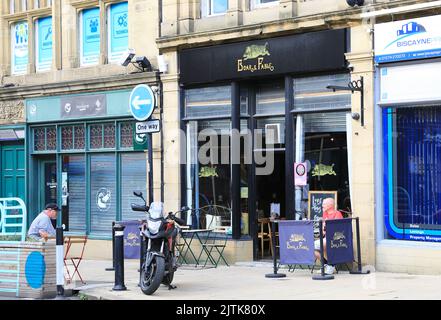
pixel 75 259
pixel 218 241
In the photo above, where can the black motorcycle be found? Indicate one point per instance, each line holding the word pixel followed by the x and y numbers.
pixel 159 234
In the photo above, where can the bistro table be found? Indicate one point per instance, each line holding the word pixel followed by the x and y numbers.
pixel 188 237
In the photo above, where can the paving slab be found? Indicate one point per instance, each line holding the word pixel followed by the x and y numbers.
pixel 247 281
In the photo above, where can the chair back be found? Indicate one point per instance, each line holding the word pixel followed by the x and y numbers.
pixel 75 246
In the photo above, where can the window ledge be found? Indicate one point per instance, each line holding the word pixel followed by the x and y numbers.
pixel 409 244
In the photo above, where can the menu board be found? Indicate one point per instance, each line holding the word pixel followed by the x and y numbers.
pixel 315 200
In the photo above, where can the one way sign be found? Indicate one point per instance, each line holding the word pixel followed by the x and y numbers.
pixel 147 127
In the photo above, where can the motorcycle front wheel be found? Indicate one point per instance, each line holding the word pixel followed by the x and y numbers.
pixel 152 275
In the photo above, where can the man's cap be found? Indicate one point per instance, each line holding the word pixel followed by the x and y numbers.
pixel 52 206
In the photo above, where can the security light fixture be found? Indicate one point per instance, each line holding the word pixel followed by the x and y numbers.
pixel 127 58
pixel 143 63
pixel 354 3
pixel 356 85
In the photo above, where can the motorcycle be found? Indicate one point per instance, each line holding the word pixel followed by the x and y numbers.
pixel 159 233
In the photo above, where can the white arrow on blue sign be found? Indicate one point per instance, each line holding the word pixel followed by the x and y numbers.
pixel 142 102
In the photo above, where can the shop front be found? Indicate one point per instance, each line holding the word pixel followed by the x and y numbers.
pixel 409 110
pixel 85 156
pixel 250 111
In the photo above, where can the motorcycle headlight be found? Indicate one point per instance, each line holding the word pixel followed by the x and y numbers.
pixel 154 226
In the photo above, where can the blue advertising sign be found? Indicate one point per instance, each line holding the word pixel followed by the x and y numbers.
pixel 408 39
pixel 44 43
pixel 339 246
pixel 90 38
pixel 118 31
pixel 142 102
pixel 19 48
pixel 132 239
pixel 296 242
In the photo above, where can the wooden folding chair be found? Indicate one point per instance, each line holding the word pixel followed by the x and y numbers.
pixel 75 259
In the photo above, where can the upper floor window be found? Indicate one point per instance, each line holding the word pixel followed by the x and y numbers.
pixel 262 3
pixel 43 44
pixel 89 37
pixel 24 5
pixel 11 6
pixel 19 48
pixel 118 31
pixel 214 7
pixel 36 4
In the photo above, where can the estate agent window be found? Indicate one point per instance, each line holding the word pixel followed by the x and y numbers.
pixel 118 31
pixel 89 37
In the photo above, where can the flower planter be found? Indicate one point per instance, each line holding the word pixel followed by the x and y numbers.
pixel 28 269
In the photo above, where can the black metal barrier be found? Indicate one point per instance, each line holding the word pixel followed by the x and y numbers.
pixel 275 269
pixel 119 257
pixel 322 275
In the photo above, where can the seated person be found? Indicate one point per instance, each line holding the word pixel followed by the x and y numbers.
pixel 329 213
pixel 41 228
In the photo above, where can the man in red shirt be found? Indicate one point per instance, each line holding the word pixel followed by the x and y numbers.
pixel 329 213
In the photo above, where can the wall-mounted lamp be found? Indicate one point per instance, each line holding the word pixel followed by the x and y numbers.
pixel 356 85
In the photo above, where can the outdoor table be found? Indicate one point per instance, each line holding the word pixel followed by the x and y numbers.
pixel 195 234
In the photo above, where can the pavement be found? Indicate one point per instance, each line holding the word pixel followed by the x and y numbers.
pixel 247 281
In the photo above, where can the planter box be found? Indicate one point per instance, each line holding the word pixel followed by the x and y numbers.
pixel 28 269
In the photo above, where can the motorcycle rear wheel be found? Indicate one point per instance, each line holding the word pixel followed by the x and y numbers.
pixel 152 276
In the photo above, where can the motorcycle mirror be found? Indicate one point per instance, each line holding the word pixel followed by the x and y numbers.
pixel 185 208
pixel 137 194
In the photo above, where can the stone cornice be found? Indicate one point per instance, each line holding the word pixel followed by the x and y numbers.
pixel 79 86
pixel 345 18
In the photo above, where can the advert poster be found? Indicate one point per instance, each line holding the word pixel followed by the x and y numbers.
pixel 44 43
pixel 90 40
pixel 118 31
pixel 19 48
pixel 300 174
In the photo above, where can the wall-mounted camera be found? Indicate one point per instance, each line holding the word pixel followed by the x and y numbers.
pixel 354 3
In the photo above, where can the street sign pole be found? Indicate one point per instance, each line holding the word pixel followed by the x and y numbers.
pixel 150 156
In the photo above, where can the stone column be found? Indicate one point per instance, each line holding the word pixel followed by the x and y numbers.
pixel 169 25
pixel 186 16
pixel 171 130
pixel 31 45
pixel 234 17
pixel 103 32
pixel 287 9
pixel 56 40
pixel 363 189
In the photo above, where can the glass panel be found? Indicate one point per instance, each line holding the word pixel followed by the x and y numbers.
pixel 79 140
pixel 325 122
pixel 102 193
pixel 67 138
pixel 39 139
pixel 126 135
pixel 413 190
pixel 96 136
pixel 109 135
pixel 270 98
pixel 220 6
pixel 51 138
pixel 271 131
pixel 74 193
pixel 134 178
pixel 210 101
pixel 311 93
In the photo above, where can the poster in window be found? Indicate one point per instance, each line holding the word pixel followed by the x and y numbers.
pixel 44 43
pixel 90 39
pixel 118 31
pixel 19 48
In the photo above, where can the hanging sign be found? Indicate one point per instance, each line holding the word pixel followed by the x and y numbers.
pixel 19 48
pixel 118 31
pixel 339 245
pixel 90 39
pixel 44 44
pixel 296 242
pixel 300 174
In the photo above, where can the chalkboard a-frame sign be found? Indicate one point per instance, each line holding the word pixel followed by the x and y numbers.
pixel 315 200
